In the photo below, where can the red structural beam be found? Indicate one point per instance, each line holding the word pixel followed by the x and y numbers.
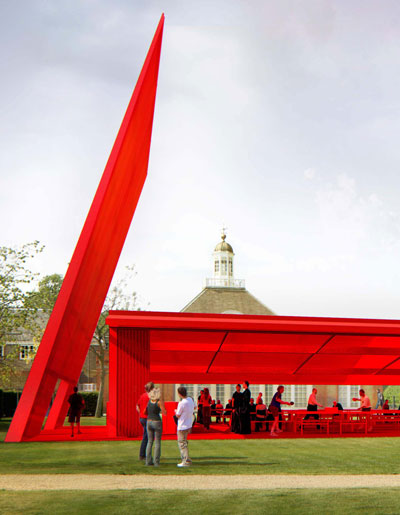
pixel 212 321
pixel 222 348
pixel 68 334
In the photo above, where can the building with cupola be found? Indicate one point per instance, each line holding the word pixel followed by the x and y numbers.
pixel 223 293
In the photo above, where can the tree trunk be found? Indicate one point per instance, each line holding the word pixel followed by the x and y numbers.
pixel 99 405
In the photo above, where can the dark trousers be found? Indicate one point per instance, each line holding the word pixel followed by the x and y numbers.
pixel 206 416
pixel 312 407
pixel 143 445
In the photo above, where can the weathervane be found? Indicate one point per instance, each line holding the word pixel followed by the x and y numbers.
pixel 223 232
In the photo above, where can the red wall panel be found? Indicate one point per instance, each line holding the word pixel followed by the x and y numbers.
pixel 132 373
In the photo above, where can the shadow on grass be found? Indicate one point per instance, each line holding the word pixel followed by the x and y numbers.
pixel 210 461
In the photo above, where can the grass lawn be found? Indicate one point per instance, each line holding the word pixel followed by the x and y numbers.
pixel 365 501
pixel 308 456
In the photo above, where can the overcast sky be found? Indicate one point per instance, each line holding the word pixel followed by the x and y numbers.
pixel 279 118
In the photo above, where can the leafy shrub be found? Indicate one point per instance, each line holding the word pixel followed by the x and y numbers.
pixel 90 399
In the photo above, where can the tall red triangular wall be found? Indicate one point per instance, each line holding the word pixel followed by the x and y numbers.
pixel 67 338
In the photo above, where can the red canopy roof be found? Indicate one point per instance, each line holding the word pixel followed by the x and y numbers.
pixel 216 348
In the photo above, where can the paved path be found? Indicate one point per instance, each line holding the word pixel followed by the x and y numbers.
pixel 192 482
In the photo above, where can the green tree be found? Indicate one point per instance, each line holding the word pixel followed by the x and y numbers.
pixel 117 298
pixel 39 304
pixel 392 394
pixel 46 294
pixel 14 278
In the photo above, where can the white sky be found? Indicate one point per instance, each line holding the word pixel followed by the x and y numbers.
pixel 279 118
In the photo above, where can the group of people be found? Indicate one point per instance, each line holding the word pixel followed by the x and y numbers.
pixel 241 409
pixel 244 410
pixel 149 406
pixel 207 408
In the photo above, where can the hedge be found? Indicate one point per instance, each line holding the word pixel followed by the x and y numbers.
pixel 9 401
pixel 90 399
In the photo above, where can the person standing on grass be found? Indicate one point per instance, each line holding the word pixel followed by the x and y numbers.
pixel 77 404
pixel 155 406
pixel 275 408
pixel 141 407
pixel 184 414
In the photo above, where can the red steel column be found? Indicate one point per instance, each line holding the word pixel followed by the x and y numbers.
pixel 112 382
pixel 132 373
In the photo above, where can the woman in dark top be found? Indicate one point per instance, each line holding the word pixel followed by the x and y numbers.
pixel 275 409
pixel 154 427
pixel 245 424
pixel 206 403
pixel 236 404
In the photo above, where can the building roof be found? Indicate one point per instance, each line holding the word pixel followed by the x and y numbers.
pixel 226 300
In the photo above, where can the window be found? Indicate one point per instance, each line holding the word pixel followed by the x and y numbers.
pixel 189 390
pixel 220 393
pixel 26 351
pixel 354 392
pixel 287 394
pixel 346 394
pixel 300 396
pixel 230 266
pixel 216 266
pixel 269 393
pixel 87 387
pixel 255 390
pixel 224 266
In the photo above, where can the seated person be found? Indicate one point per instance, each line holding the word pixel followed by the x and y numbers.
pixel 386 405
pixel 213 406
pixel 228 411
pixel 252 410
pixel 261 415
pixel 337 405
pixel 219 409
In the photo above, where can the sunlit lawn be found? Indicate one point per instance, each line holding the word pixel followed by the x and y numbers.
pixel 321 502
pixel 291 456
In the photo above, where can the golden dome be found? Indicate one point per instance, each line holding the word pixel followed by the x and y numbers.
pixel 223 245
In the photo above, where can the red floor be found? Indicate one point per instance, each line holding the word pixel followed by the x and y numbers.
pixel 217 432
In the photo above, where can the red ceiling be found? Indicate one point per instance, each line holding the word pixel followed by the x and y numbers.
pixel 204 348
